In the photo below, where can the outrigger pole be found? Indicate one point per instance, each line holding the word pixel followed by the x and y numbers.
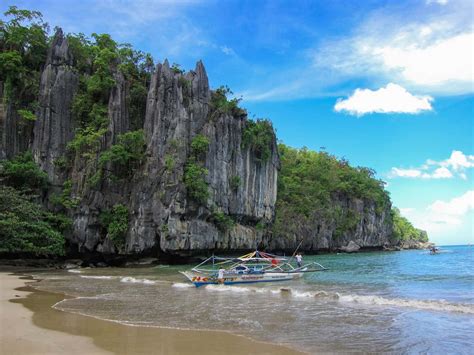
pixel 294 253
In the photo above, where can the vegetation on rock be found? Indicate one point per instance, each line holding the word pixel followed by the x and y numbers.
pixel 194 172
pixel 23 51
pixel 21 172
pixel 115 221
pixel 26 227
pixel 125 156
pixel 258 135
pixel 221 104
pixel 310 182
pixel 195 182
pixel 403 230
pixel 222 221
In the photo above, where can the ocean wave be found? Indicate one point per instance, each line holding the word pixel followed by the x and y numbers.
pixel 129 279
pixel 97 277
pixel 224 288
pixel 430 305
pixel 182 285
pixel 75 271
pixel 368 300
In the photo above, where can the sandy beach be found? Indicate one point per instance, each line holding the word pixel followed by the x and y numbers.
pixel 29 325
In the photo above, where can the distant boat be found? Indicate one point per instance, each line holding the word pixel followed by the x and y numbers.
pixel 250 268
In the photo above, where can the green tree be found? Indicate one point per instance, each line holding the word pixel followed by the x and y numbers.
pixel 403 230
pixel 26 227
pixel 115 221
pixel 23 49
pixel 308 184
pixel 195 182
pixel 22 172
pixel 259 136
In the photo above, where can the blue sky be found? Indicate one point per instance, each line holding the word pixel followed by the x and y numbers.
pixel 385 84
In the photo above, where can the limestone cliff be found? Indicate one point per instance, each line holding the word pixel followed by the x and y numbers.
pixel 162 216
pixel 54 126
pixel 371 228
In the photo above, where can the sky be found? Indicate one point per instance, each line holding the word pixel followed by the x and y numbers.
pixel 384 84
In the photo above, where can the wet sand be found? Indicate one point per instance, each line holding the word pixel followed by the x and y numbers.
pixel 29 325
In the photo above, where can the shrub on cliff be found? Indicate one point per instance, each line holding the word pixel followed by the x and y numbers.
pixel 26 227
pixel 221 104
pixel 258 135
pixel 308 183
pixel 23 51
pixel 115 221
pixel 199 145
pixel 195 182
pixel 98 60
pixel 22 172
pixel 222 221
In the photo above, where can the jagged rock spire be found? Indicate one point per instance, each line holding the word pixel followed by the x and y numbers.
pixel 59 52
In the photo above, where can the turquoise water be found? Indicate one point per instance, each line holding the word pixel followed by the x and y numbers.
pixel 401 302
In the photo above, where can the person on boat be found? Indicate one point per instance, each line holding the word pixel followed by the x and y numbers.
pixel 299 259
pixel 220 276
pixel 274 262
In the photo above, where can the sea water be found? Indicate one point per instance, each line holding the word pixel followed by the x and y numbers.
pixel 402 302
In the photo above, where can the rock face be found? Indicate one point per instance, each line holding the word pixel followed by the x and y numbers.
pixel 351 247
pixel 371 228
pixel 54 126
pixel 176 113
pixel 15 132
pixel 162 216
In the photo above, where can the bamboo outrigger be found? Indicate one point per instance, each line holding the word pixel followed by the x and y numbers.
pixel 253 267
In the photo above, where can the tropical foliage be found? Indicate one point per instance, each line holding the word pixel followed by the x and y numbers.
pixel 258 135
pixel 221 104
pixel 26 228
pixel 115 221
pixel 22 172
pixel 403 230
pixel 310 181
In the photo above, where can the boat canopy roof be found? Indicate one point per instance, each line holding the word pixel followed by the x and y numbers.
pixel 253 256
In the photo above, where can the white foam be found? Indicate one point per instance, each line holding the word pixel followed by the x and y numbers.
pixel 223 288
pixel 129 279
pixel 75 271
pixel 181 285
pixel 432 305
pixel 302 294
pixel 96 277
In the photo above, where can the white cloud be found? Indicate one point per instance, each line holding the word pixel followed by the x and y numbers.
pixel 441 62
pixel 227 50
pixel 426 50
pixel 455 207
pixel 443 218
pixel 439 2
pixel 441 173
pixel 405 173
pixel 455 165
pixel 391 99
pixel 458 161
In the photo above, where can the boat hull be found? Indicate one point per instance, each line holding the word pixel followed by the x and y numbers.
pixel 200 279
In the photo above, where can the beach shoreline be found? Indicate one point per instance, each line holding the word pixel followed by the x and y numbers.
pixel 30 325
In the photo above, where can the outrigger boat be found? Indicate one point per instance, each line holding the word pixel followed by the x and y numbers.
pixel 250 268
